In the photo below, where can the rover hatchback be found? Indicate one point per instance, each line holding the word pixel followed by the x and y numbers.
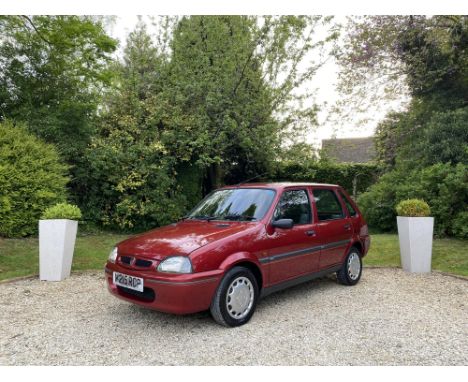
pixel 239 244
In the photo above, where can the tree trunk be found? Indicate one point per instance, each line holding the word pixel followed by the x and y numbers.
pixel 213 178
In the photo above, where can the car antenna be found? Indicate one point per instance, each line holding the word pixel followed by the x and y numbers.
pixel 248 180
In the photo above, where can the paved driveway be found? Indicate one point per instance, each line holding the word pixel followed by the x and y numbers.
pixel 389 318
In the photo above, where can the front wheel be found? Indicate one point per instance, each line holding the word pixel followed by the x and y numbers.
pixel 236 298
pixel 351 271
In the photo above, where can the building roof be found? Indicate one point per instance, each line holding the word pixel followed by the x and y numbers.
pixel 350 150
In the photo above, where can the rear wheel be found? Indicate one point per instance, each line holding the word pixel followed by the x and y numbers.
pixel 351 271
pixel 236 298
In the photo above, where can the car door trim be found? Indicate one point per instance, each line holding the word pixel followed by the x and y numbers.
pixel 298 280
pixel 304 251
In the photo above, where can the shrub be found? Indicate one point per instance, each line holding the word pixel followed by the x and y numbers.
pixel 62 211
pixel 443 186
pixel 31 179
pixel 460 225
pixel 413 208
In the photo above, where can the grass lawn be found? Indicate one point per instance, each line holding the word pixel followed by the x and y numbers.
pixel 20 257
pixel 448 255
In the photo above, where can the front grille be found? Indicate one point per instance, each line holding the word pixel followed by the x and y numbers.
pixel 126 259
pixel 147 295
pixel 143 263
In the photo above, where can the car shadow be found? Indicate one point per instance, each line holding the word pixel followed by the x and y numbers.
pixel 203 319
pixel 298 291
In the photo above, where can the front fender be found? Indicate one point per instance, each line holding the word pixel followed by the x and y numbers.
pixel 239 258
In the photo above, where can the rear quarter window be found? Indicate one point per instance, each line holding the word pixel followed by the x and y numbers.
pixel 349 206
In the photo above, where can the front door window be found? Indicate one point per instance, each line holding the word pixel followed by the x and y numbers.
pixel 294 205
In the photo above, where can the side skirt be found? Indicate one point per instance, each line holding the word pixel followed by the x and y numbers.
pixel 298 280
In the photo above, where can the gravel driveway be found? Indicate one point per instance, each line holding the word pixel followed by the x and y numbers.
pixel 389 318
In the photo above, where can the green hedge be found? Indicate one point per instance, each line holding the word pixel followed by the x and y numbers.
pixel 442 186
pixel 344 174
pixel 32 178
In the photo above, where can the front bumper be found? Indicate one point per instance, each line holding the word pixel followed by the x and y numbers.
pixel 178 294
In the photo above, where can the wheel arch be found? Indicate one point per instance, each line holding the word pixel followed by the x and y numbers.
pixel 358 245
pixel 248 261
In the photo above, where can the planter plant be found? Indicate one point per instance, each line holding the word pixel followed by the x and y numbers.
pixel 57 233
pixel 415 230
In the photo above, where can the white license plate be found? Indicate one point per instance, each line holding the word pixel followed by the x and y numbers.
pixel 127 281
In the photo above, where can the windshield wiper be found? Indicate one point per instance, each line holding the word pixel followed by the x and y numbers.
pixel 239 217
pixel 203 217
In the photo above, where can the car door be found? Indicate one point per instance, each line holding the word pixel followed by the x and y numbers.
pixel 333 226
pixel 294 251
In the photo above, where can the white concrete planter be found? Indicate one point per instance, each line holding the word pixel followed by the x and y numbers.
pixel 56 245
pixel 415 236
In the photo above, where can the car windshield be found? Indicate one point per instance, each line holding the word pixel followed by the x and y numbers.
pixel 246 204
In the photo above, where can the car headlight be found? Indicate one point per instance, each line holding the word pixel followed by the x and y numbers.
pixel 175 264
pixel 113 255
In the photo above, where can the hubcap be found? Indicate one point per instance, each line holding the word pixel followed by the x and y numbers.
pixel 354 266
pixel 239 297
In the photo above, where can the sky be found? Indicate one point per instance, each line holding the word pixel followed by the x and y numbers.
pixel 324 82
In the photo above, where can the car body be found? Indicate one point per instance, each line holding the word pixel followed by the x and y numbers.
pixel 299 231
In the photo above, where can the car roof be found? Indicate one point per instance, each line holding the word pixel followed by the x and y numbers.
pixel 278 185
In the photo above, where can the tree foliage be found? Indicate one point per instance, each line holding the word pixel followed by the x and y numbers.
pixel 52 72
pixel 424 147
pixel 128 178
pixel 446 138
pixel 234 80
pixel 356 178
pixel 208 104
pixel 399 54
pixel 428 57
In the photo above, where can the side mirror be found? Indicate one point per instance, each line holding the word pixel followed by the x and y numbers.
pixel 283 223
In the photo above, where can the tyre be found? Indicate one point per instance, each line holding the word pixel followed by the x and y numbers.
pixel 236 298
pixel 351 271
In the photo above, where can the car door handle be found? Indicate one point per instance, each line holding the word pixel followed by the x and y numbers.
pixel 310 233
pixel 347 226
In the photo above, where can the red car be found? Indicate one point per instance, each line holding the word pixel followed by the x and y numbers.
pixel 238 244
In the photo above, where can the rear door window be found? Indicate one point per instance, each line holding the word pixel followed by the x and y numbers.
pixel 327 204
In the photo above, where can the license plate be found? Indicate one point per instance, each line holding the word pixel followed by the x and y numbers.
pixel 127 281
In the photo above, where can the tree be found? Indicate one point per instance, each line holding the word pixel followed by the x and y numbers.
pixel 398 54
pixel 428 57
pixel 211 104
pixel 128 178
pixel 425 147
pixel 446 138
pixel 235 81
pixel 52 72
